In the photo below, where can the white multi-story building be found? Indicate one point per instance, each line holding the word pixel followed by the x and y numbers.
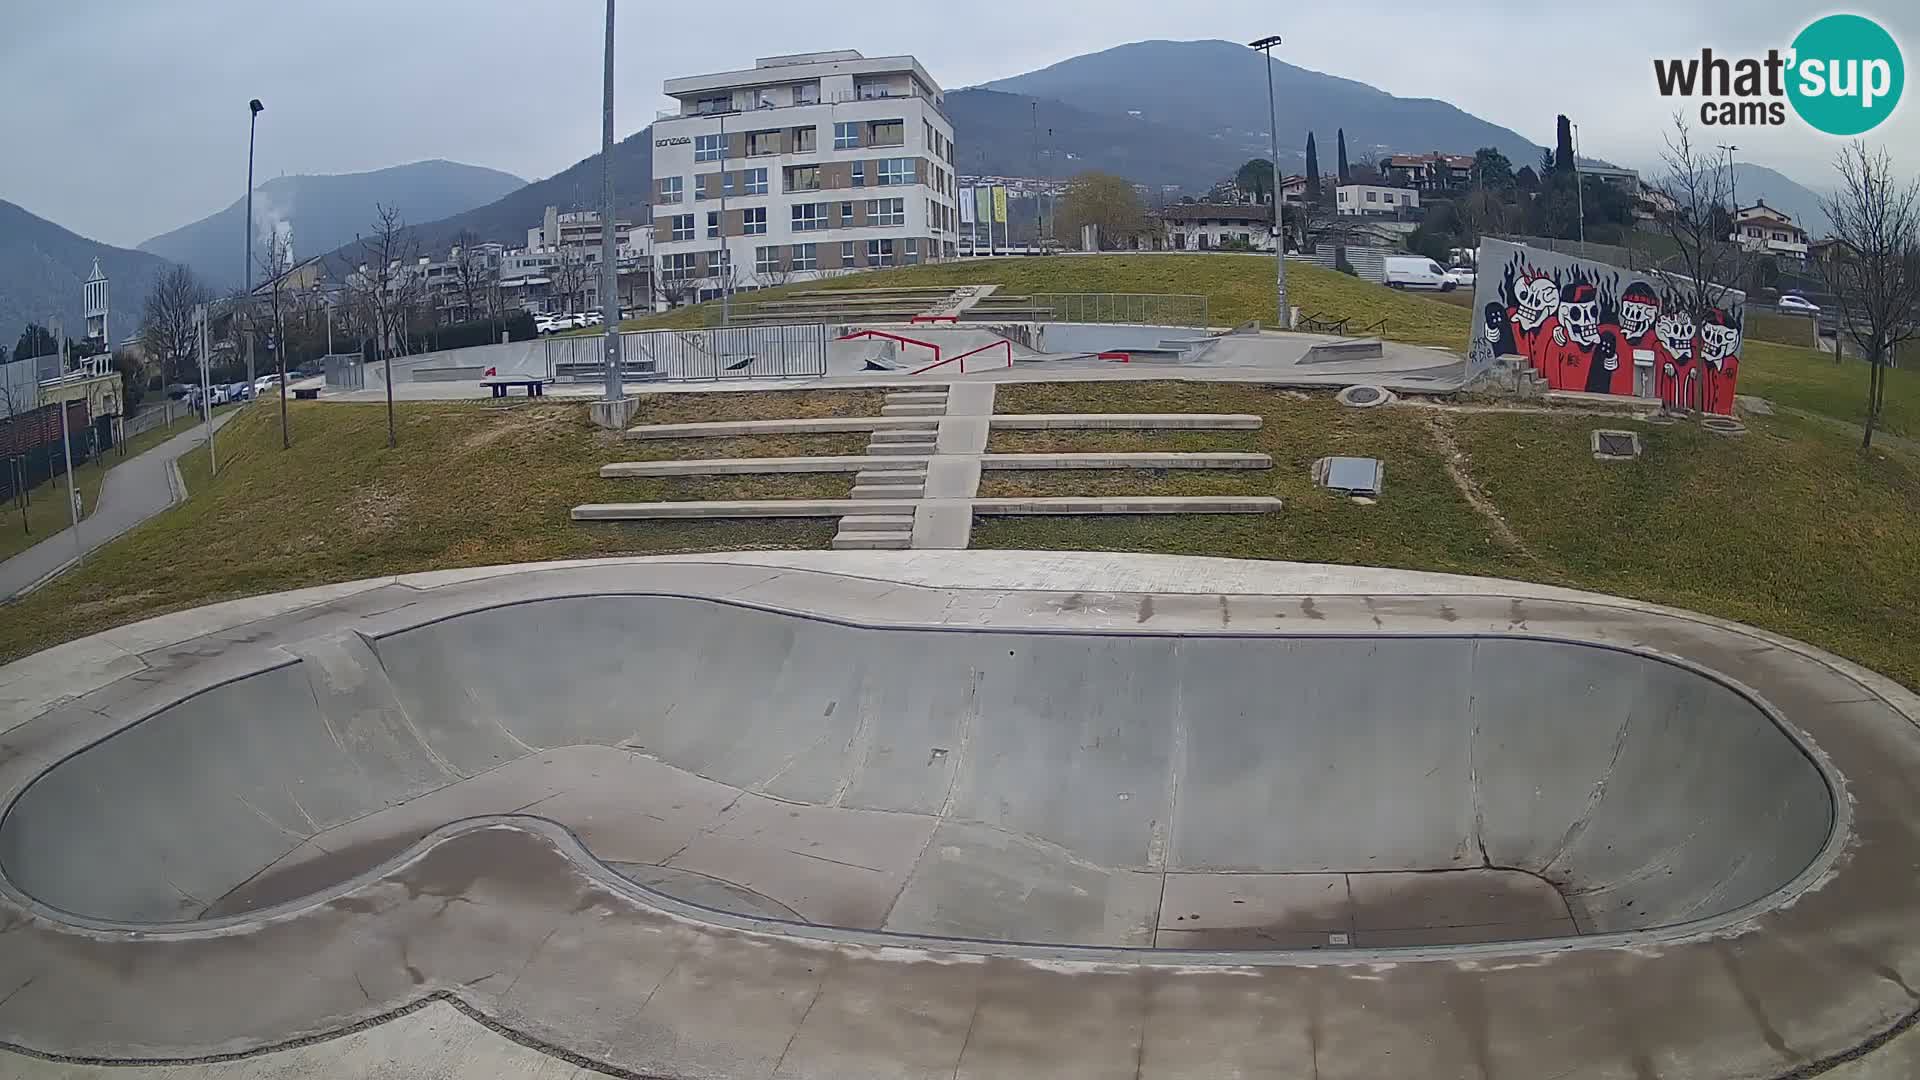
pixel 1374 199
pixel 1769 231
pixel 805 166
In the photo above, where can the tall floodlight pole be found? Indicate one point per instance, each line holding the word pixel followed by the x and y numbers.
pixel 1733 191
pixel 609 271
pixel 1283 314
pixel 1579 190
pixel 66 442
pixel 726 264
pixel 254 109
pixel 206 395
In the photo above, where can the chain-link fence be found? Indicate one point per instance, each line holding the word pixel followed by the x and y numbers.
pixel 789 351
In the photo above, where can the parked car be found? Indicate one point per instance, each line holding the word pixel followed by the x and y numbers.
pixel 218 395
pixel 265 383
pixel 1416 272
pixel 1797 305
pixel 240 391
pixel 1464 275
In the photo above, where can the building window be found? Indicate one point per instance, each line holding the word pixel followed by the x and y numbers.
pixel 912 255
pixel 766 260
pixel 805 257
pixel 804 138
pixel 1372 196
pixel 753 220
pixel 682 227
pixel 806 93
pixel 859 174
pixel 933 140
pixel 762 143
pixel 1343 196
pixel 803 178
pixel 755 181
pixel 678 267
pixel 846 136
pixel 889 133
pixel 846 214
pixel 713 224
pixel 708 147
pixel 723 103
pixel 894 171
pixel 846 253
pixel 671 189
pixel 879 253
pixel 809 217
pixel 886 211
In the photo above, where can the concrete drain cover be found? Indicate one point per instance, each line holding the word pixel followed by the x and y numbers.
pixel 1349 475
pixel 1616 445
pixel 1723 425
pixel 1364 397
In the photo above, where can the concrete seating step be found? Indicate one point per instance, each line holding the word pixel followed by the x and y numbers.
pixel 810 426
pixel 901 449
pixel 1145 504
pixel 1125 421
pixel 913 410
pixel 888 491
pixel 872 541
pixel 886 477
pixel 926 435
pixel 877 523
pixel 756 466
pixel 739 508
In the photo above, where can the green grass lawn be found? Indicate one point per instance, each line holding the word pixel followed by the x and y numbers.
pixel 1805 379
pixel 1237 287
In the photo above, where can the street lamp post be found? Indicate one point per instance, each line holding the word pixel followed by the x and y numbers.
pixel 1733 191
pixel 254 109
pixel 1579 190
pixel 1283 312
pixel 609 271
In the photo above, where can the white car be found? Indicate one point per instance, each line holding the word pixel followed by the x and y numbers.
pixel 1799 305
pixel 1465 275
pixel 1418 272
pixel 265 383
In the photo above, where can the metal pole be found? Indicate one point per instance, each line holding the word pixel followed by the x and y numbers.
pixel 280 361
pixel 252 122
pixel 726 266
pixel 73 498
pixel 1733 193
pixel 1284 314
pixel 609 271
pixel 206 397
pixel 1579 190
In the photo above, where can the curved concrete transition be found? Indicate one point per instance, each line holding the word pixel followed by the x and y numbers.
pixel 833 814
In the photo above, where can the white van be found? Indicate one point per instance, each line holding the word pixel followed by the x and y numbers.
pixel 1418 272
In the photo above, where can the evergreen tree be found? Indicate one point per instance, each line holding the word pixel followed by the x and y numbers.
pixel 1563 146
pixel 1313 169
pixel 1346 174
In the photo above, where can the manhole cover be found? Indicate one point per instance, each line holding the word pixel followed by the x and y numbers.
pixel 1363 395
pixel 1616 445
pixel 1349 475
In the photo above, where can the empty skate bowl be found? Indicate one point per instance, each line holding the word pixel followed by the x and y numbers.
pixel 833 814
pixel 1292 792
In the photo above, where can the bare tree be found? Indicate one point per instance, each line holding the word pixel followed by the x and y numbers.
pixel 1696 213
pixel 1875 273
pixel 384 289
pixel 569 276
pixel 168 332
pixel 476 277
pixel 276 254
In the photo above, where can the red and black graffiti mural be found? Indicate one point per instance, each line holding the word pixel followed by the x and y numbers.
pixel 1587 326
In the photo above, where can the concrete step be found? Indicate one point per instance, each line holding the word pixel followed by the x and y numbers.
pixel 888 477
pixel 872 541
pixel 817 425
pixel 887 491
pixel 900 449
pixel 917 397
pixel 877 523
pixel 913 410
pixel 927 435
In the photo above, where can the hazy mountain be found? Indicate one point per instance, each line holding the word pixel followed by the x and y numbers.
pixel 327 211
pixel 42 266
pixel 1004 134
pixel 507 218
pixel 1217 89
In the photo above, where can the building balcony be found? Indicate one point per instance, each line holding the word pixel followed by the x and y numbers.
pixel 841 98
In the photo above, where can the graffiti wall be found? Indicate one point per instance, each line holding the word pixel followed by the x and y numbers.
pixel 1584 325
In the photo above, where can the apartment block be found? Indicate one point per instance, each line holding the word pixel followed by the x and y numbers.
pixel 802 167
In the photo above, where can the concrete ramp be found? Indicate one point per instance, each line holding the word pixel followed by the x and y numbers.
pixel 1042 787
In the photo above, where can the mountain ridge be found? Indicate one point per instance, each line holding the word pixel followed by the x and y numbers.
pixel 42 265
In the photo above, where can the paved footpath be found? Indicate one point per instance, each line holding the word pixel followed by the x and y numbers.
pixel 134 490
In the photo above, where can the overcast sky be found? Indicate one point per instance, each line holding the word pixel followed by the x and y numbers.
pixel 122 119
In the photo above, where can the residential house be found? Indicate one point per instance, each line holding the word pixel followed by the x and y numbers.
pixel 1761 228
pixel 1210 226
pixel 1374 199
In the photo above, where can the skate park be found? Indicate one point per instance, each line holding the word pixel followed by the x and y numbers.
pixel 794 813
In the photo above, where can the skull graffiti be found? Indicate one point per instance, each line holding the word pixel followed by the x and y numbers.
pixel 1580 313
pixel 1537 300
pixel 1676 333
pixel 1719 338
pixel 1639 307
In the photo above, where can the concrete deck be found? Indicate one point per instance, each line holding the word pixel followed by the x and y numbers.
pixel 825 814
pixel 856 462
pixel 719 509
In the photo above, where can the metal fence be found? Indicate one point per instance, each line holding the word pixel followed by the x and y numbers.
pixel 791 351
pixel 344 371
pixel 1369 263
pixel 1135 309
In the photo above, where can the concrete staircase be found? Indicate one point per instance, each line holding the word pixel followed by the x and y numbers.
pixel 912 444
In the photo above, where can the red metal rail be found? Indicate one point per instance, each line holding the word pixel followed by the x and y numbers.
pixel 970 352
pixel 895 337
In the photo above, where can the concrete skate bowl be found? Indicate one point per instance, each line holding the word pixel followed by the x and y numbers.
pixel 1121 790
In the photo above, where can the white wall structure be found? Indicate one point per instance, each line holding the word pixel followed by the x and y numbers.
pixel 801 167
pixel 1374 199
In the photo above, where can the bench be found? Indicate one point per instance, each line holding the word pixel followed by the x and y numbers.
pixel 536 385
